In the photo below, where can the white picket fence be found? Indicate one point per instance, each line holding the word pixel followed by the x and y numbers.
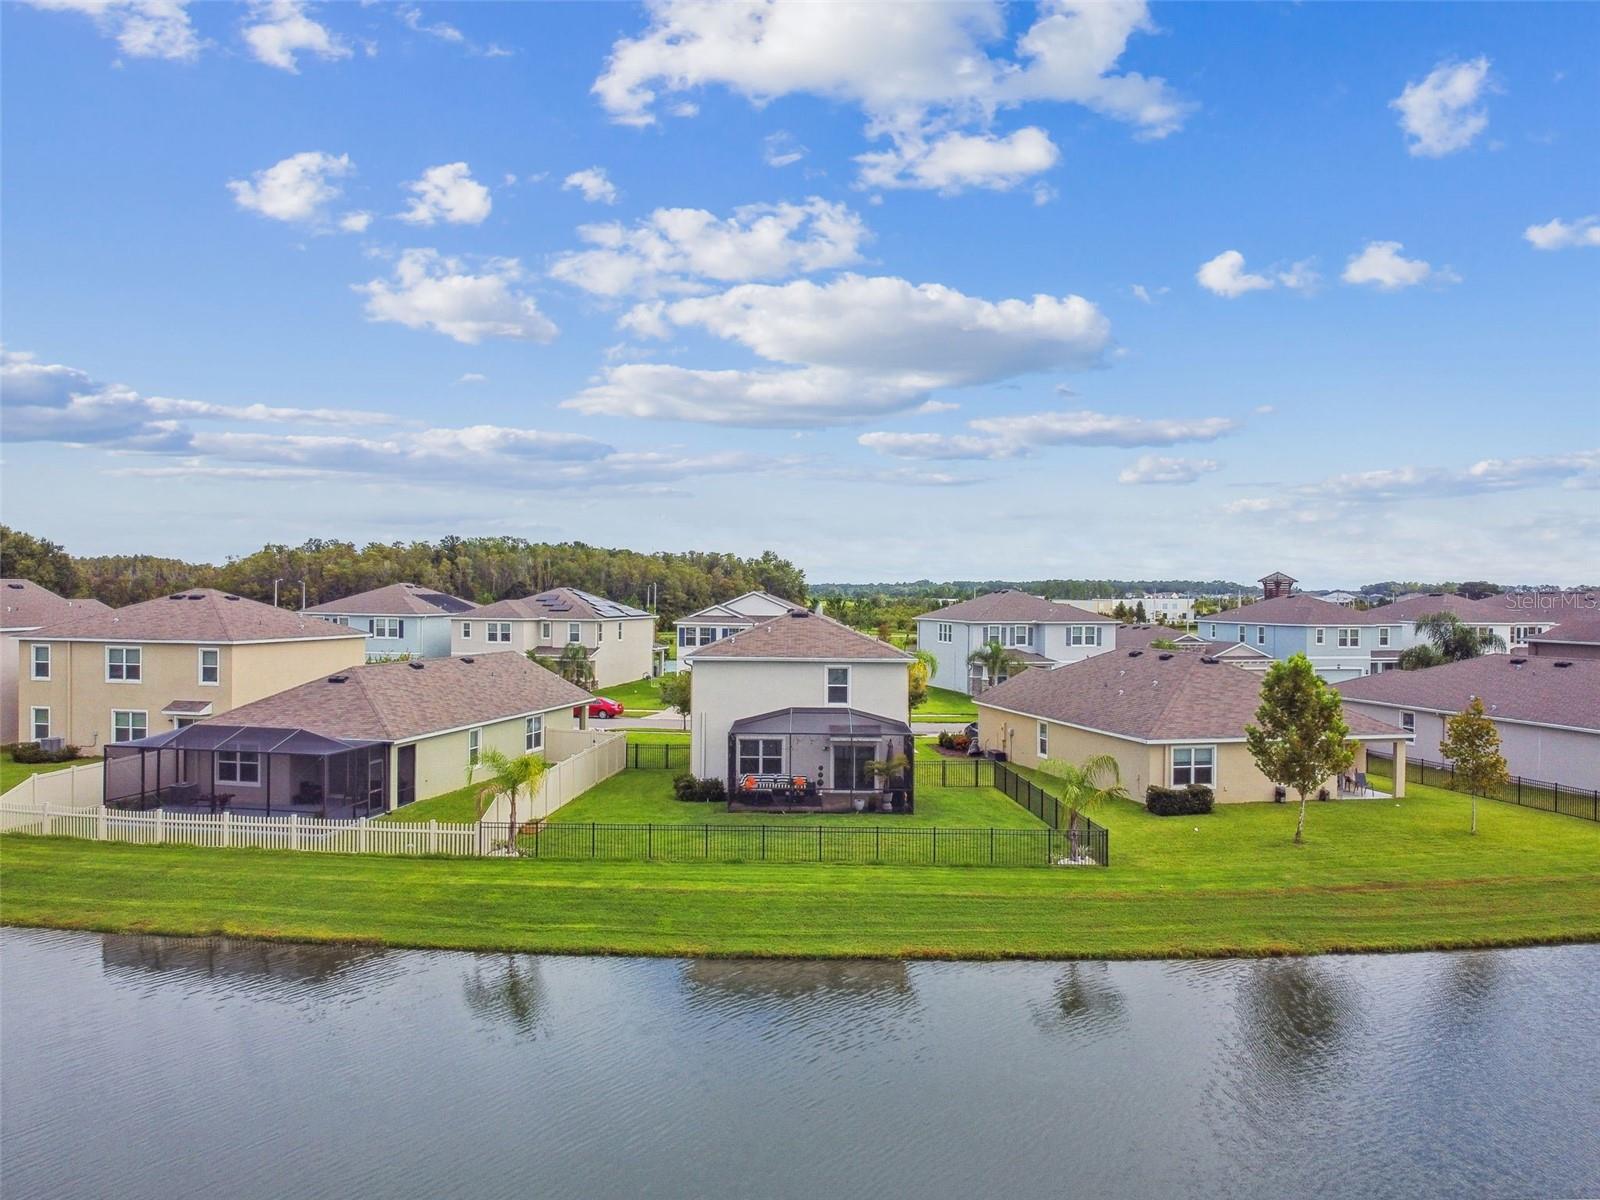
pixel 569 776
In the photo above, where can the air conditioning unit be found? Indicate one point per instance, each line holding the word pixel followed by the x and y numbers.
pixel 51 745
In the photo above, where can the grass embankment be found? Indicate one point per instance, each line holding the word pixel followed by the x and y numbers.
pixel 943 704
pixel 1374 875
pixel 639 698
pixel 13 772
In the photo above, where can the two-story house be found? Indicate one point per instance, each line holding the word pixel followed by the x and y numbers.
pixel 98 678
pixel 25 607
pixel 402 620
pixel 618 639
pixel 1038 632
pixel 718 621
pixel 1504 616
pixel 1342 643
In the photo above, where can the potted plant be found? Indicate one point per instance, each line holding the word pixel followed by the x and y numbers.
pixel 884 770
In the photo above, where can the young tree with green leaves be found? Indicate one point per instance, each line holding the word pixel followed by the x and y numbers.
pixel 1084 788
pixel 677 693
pixel 1472 746
pixel 509 776
pixel 1300 738
pixel 1449 639
pixel 918 675
pixel 996 660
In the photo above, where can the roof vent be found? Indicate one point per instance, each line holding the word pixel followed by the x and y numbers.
pixel 1561 662
pixel 469 660
pixel 16 587
pixel 179 596
pixel 415 666
pixel 1163 657
pixel 1135 653
pixel 194 596
pixel 230 597
pixel 338 678
pixel 1209 659
pixel 1517 662
pixel 800 613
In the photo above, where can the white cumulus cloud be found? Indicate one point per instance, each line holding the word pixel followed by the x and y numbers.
pixel 1225 275
pixel 1441 113
pixel 1025 434
pixel 1158 468
pixel 432 291
pixel 298 188
pixel 1557 234
pixel 277 30
pixel 593 182
pixel 780 149
pixel 447 193
pixel 1381 265
pixel 141 28
pixel 951 162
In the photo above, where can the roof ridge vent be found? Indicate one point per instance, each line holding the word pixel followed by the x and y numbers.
pixel 1561 662
pixel 338 678
pixel 1209 659
pixel 414 665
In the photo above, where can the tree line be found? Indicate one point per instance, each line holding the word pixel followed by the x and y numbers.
pixel 478 569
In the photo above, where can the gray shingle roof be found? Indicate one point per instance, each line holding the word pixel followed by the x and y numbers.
pixel 559 604
pixel 398 700
pixel 1014 605
pixel 1149 696
pixel 1298 609
pixel 202 615
pixel 1515 688
pixel 27 605
pixel 801 635
pixel 1572 627
pixel 1496 610
pixel 396 600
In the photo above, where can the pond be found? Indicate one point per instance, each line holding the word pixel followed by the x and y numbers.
pixel 156 1067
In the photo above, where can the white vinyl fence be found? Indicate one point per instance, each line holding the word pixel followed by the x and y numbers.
pixel 572 772
pixel 70 787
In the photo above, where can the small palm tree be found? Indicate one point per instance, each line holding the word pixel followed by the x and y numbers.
pixel 509 776
pixel 1085 788
pixel 572 664
pixel 889 768
pixel 1449 640
pixel 996 660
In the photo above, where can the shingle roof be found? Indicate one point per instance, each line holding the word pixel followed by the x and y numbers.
pixel 1149 696
pixel 1491 610
pixel 202 615
pixel 1014 605
pixel 1572 627
pixel 397 600
pixel 1512 687
pixel 801 635
pixel 1298 609
pixel 27 605
pixel 1139 637
pixel 722 612
pixel 559 604
pixel 398 700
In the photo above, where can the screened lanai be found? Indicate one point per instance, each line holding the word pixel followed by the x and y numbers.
pixel 250 769
pixel 821 759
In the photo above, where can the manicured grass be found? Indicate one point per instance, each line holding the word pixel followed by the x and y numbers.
pixel 1374 875
pixel 638 698
pixel 460 805
pixel 943 704
pixel 645 797
pixel 13 772
pixel 658 737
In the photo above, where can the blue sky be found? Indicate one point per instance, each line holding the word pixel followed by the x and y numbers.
pixel 945 290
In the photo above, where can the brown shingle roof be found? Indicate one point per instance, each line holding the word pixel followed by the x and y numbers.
pixel 1497 610
pixel 1512 687
pixel 397 600
pixel 393 701
pixel 559 604
pixel 202 615
pixel 1148 697
pixel 27 605
pixel 801 635
pixel 1298 609
pixel 1014 605
pixel 1572 627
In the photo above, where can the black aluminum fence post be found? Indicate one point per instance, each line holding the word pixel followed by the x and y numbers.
pixel 591 839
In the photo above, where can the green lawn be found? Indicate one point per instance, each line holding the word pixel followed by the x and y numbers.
pixel 1373 875
pixel 658 737
pixel 460 805
pixel 943 704
pixel 638 698
pixel 13 772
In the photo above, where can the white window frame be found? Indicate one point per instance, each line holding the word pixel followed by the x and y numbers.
pixel 533 733
pixel 1213 633
pixel 685 636
pixel 239 760
pixel 1408 721
pixel 574 633
pixel 34 662
pixel 474 747
pixel 1261 635
pixel 137 664
pixel 1349 637
pixel 389 628
pixel 1322 637
pixel 707 634
pixel 829 685
pixel 200 666
pixel 33 721
pixel 466 631
pixel 1193 766
pixel 763 765
pixel 599 632
pixel 144 723
pixel 1383 635
pixel 497 631
pixel 1044 740
pixel 945 632
pixel 544 632
pixel 619 631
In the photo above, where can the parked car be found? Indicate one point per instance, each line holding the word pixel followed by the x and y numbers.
pixel 605 708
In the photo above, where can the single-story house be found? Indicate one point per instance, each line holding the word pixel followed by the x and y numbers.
pixel 802 698
pixel 1169 718
pixel 400 620
pixel 618 638
pixel 25 607
pixel 718 621
pixel 1546 709
pixel 361 740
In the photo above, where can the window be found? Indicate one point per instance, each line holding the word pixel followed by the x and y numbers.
pixel 599 631
pixel 127 725
pixel 1085 635
pixel 1017 635
pixel 123 664
pixel 1349 636
pixel 40 723
pixel 534 739
pixel 946 631
pixel 1213 634
pixel 1519 635
pixel 1408 722
pixel 760 756
pixel 1193 764
pixel 387 627
pixel 474 746
pixel 41 662
pixel 1322 637
pixel 838 685
pixel 619 631
pixel 1044 740
pixel 1383 635
pixel 466 631
pixel 210 665
pixel 727 631
pixel 574 631
pixel 239 766
pixel 1261 635
pixel 708 634
pixel 685 635
pixel 497 631
pixel 544 632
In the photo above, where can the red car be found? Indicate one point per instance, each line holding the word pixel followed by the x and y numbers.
pixel 600 706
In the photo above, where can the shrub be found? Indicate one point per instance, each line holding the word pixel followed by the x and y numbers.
pixel 698 791
pixel 685 786
pixel 1194 800
pixel 946 741
pixel 960 741
pixel 29 752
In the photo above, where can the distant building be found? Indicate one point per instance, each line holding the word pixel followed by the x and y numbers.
pixel 1038 632
pixel 618 638
pixel 1170 609
pixel 723 620
pixel 400 620
pixel 24 607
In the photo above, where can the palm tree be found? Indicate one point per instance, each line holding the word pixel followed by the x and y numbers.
pixel 509 776
pixel 572 664
pixel 1085 788
pixel 996 660
pixel 1449 640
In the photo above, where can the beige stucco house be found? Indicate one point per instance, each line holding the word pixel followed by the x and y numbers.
pixel 25 607
pixel 97 678
pixel 1169 718
pixel 724 619
pixel 619 639
pixel 361 740
pixel 815 698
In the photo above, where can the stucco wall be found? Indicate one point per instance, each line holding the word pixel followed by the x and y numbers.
pixel 442 758
pixel 622 660
pixel 726 690
pixel 1050 640
pixel 11 728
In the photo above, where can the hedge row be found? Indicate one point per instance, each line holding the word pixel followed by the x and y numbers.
pixel 1194 800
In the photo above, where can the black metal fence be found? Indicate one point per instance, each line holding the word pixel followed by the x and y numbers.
pixel 1530 793
pixel 942 771
pixel 845 842
pixel 658 756
pixel 1091 840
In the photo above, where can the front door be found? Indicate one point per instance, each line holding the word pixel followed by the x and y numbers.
pixel 407 781
pixel 850 761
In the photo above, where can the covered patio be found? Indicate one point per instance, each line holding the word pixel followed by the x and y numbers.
pixel 248 769
pixel 820 760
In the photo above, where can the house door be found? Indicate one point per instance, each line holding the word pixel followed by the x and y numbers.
pixel 407 781
pixel 850 761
